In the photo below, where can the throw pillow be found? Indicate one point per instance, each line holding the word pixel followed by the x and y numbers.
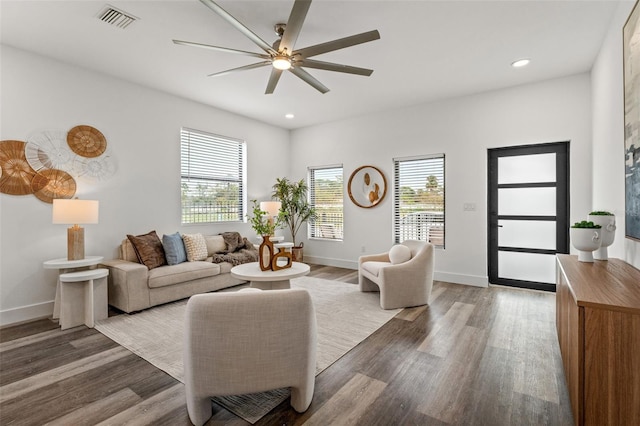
pixel 399 254
pixel 196 247
pixel 215 244
pixel 149 249
pixel 174 249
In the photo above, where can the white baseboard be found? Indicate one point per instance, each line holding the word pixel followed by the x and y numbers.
pixel 472 280
pixel 327 261
pixel 26 313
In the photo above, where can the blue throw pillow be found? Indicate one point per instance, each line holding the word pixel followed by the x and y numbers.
pixel 174 249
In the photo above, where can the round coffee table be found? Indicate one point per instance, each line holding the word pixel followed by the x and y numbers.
pixel 269 280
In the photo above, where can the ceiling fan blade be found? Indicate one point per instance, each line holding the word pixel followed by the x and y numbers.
pixel 273 81
pixel 294 25
pixel 338 44
pixel 309 79
pixel 221 49
pixel 239 26
pixel 329 66
pixel 243 68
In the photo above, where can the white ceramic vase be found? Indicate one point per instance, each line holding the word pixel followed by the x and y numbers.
pixel 585 240
pixel 607 234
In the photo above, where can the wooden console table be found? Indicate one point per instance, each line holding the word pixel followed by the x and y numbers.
pixel 598 322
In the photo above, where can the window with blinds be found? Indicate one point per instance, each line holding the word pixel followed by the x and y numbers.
pixel 418 190
pixel 326 189
pixel 212 177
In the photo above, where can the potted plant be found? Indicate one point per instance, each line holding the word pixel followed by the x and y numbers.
pixel 295 209
pixel 585 237
pixel 260 223
pixel 607 221
pixel 264 227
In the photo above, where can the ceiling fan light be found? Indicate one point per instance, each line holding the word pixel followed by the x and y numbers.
pixel 281 63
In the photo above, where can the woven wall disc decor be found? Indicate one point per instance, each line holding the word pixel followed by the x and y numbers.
pixel 48 149
pixel 16 171
pixel 94 169
pixel 86 141
pixel 49 184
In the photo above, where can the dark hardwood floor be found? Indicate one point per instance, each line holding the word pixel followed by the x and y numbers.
pixel 475 356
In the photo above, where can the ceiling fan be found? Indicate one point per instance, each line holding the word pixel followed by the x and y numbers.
pixel 281 55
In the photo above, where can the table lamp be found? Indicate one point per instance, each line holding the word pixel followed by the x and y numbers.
pixel 272 208
pixel 75 212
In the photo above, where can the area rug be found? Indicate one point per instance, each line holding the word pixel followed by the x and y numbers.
pixel 345 317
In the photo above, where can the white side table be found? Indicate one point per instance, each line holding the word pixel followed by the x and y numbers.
pixel 63 265
pixel 83 297
pixel 283 246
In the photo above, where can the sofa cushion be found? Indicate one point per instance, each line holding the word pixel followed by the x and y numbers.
pixel 181 273
pixel 215 244
pixel 374 267
pixel 225 267
pixel 195 246
pixel 174 249
pixel 399 254
pixel 148 248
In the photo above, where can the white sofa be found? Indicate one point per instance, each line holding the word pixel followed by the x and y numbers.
pixel 133 287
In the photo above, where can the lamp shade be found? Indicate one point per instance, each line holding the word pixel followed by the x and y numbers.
pixel 271 207
pixel 74 211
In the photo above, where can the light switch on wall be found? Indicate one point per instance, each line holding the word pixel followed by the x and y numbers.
pixel 469 207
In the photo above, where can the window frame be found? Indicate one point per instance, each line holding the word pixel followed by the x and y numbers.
pixel 312 230
pixel 239 211
pixel 436 217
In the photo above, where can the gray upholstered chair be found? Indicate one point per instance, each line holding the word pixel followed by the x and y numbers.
pixel 249 341
pixel 403 276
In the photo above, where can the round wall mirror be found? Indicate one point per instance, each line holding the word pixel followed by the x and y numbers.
pixel 367 186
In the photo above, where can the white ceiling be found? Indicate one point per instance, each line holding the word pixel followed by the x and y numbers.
pixel 428 50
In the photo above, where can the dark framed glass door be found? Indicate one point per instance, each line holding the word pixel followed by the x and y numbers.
pixel 528 213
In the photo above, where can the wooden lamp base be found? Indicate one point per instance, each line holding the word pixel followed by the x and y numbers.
pixel 75 243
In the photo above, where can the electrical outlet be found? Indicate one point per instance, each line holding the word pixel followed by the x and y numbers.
pixel 363 249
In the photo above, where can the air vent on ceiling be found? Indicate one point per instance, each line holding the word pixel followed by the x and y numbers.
pixel 115 17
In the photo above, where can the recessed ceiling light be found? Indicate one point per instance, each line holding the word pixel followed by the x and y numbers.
pixel 289 116
pixel 520 63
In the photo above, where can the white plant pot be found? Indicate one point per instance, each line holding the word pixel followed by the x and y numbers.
pixel 585 240
pixel 607 234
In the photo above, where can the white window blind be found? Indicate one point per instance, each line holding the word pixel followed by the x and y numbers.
pixel 419 199
pixel 212 177
pixel 326 189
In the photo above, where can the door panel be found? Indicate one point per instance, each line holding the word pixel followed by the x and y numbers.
pixel 528 213
pixel 527 201
pixel 527 169
pixel 527 266
pixel 536 234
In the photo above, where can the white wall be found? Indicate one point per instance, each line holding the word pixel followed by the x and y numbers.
pixel 142 127
pixel 463 129
pixel 608 135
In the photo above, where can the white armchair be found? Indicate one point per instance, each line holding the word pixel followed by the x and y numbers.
pixel 401 284
pixel 249 341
